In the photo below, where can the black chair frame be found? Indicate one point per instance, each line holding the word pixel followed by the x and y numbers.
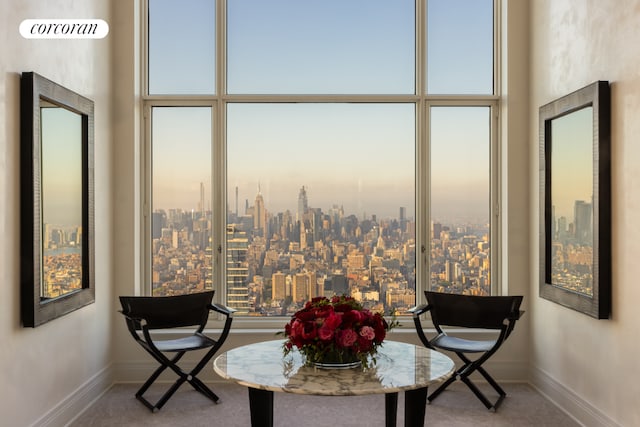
pixel 145 314
pixel 498 313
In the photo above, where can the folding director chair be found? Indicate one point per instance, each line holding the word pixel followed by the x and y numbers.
pixel 145 314
pixel 498 313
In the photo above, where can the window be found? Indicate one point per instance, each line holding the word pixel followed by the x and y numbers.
pixel 181 205
pixel 320 47
pixel 298 148
pixel 460 47
pixel 460 209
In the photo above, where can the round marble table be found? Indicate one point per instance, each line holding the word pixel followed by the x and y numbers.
pixel 399 367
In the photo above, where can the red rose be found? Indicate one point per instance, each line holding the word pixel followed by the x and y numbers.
pixel 325 333
pixel 364 344
pixel 380 328
pixel 295 328
pixel 309 331
pixel 333 321
pixel 346 338
pixel 368 332
pixel 323 312
pixel 351 318
pixel 305 315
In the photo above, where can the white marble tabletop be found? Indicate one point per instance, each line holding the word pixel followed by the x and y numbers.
pixel 399 367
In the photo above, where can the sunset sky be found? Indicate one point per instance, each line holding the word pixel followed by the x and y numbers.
pixel 360 156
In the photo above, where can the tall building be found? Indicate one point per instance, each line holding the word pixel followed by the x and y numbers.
pixel 158 222
pixel 315 218
pixel 583 214
pixel 201 207
pixel 202 232
pixel 260 215
pixel 278 286
pixel 305 286
pixel 237 270
pixel 46 236
pixel 436 229
pixel 303 204
pixel 303 235
pixel 300 287
pixel 78 237
pixel 339 284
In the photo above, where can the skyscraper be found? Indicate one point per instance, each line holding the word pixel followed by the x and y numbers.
pixel 237 269
pixel 260 215
pixel 582 220
pixel 300 287
pixel 201 207
pixel 278 286
pixel 302 204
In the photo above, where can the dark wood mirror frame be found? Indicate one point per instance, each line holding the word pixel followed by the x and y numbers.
pixel 36 307
pixel 596 302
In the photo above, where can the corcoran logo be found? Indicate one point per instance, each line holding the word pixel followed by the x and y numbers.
pixel 64 28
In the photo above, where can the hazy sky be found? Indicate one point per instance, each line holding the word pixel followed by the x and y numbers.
pixel 360 156
pixel 61 167
pixel 571 161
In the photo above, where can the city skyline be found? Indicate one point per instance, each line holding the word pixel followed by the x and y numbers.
pixel 276 262
pixel 454 218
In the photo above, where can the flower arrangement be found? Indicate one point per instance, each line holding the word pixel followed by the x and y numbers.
pixel 336 330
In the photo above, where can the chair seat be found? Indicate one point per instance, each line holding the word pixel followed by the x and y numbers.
pixel 192 342
pixel 446 342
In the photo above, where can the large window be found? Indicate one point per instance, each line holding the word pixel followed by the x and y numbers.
pixel 297 148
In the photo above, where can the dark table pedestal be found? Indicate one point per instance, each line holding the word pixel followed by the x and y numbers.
pixel 261 406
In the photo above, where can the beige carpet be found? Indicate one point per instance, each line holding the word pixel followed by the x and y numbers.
pixel 523 407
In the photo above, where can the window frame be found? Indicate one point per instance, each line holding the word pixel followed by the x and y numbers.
pixel 423 102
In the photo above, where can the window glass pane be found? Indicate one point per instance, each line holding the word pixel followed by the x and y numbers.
pixel 460 199
pixel 181 200
pixel 460 46
pixel 328 46
pixel 182 47
pixel 320 201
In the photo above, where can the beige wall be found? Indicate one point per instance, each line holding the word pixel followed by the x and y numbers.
pixel 591 366
pixel 44 371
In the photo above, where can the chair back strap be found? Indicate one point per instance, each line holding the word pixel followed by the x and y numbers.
pixel 487 312
pixel 168 312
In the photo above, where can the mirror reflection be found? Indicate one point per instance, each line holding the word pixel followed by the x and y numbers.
pixel 572 201
pixel 61 136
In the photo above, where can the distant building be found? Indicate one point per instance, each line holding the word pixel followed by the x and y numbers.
pixel 237 270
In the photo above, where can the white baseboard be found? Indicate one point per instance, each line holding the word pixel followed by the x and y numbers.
pixel 137 372
pixel 77 402
pixel 568 401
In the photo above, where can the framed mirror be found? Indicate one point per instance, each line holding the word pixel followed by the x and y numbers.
pixel 57 219
pixel 575 199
